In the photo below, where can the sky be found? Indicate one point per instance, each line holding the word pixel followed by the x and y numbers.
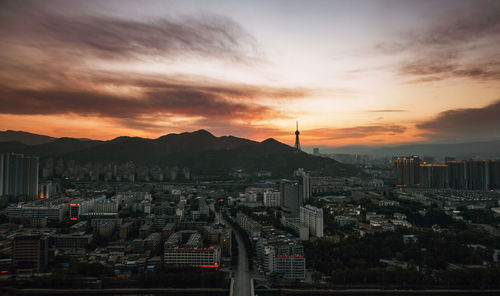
pixel 362 72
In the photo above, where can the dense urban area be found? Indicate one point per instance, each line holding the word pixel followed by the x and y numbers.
pixel 404 222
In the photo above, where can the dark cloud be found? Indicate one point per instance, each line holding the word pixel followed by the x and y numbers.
pixel 49 53
pixel 457 44
pixel 116 38
pixel 387 111
pixel 356 131
pixel 466 123
pixel 186 100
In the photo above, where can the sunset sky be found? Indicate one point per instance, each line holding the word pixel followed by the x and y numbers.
pixel 352 72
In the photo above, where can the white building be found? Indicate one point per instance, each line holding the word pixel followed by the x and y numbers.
pixel 312 217
pixel 306 183
pixel 184 248
pixel 285 258
pixel 21 210
pixel 345 220
pixel 272 199
pixel 106 206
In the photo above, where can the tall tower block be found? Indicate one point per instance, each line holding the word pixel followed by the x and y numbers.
pixel 297 133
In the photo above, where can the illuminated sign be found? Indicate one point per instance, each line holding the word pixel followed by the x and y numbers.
pixel 215 265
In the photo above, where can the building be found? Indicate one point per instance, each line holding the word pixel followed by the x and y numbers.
pixel 44 190
pixel 292 196
pixel 153 242
pixel 434 176
pixel 19 176
pixel 79 227
pixel 306 183
pixel 105 228
pixel 294 224
pixel 74 211
pixel 478 175
pixel 272 199
pixel 312 217
pixel 345 220
pixel 21 210
pixel 290 262
pixel 252 227
pixel 105 206
pixel 185 248
pixel 74 241
pixel 473 174
pixel 126 229
pixel 30 253
pixel 283 256
pixel 408 171
pixel 316 151
pixel 457 174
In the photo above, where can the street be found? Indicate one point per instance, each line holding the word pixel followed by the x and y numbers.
pixel 242 274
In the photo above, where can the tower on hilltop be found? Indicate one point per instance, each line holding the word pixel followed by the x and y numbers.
pixel 297 133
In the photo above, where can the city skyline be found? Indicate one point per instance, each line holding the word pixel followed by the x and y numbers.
pixel 353 73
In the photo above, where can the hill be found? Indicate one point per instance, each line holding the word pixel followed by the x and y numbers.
pixel 202 152
pixel 24 137
pixel 487 149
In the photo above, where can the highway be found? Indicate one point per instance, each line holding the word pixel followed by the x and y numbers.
pixel 242 274
pixel 242 277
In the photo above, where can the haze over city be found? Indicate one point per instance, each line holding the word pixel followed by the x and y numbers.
pixel 352 72
pixel 245 148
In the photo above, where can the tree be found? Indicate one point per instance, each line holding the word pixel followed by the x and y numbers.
pixel 273 277
pixel 316 276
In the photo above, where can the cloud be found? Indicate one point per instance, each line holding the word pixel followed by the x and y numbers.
pixel 457 44
pixel 106 37
pixel 51 63
pixel 356 131
pixel 163 96
pixel 465 123
pixel 387 111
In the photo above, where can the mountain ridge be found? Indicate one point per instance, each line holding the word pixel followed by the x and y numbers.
pixel 461 150
pixel 201 151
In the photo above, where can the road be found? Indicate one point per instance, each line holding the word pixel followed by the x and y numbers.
pixel 242 274
pixel 242 277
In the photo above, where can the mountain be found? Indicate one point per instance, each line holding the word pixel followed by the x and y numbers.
pixel 269 155
pixel 24 137
pixel 202 152
pixel 487 149
pixel 490 149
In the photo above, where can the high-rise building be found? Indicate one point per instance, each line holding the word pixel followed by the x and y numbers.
pixel 457 174
pixel 305 178
pixel 478 175
pixel 30 253
pixel 407 171
pixel 494 171
pixel 1 173
pixel 19 176
pixel 312 217
pixel 292 196
pixel 272 198
pixel 44 190
pixel 307 186
pixel 316 151
pixel 434 176
pixel 74 211
pixel 30 177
